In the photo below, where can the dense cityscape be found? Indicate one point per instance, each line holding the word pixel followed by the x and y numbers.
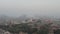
pixel 29 16
pixel 29 25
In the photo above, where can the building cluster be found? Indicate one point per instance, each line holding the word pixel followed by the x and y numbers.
pixel 35 23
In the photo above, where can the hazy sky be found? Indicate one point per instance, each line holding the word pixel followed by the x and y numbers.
pixel 30 7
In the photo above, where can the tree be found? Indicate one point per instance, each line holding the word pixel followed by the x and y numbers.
pixel 45 29
pixel 57 31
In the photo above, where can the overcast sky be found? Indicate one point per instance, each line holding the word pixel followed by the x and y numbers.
pixel 30 7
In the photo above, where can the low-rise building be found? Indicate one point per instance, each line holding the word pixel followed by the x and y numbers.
pixel 7 32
